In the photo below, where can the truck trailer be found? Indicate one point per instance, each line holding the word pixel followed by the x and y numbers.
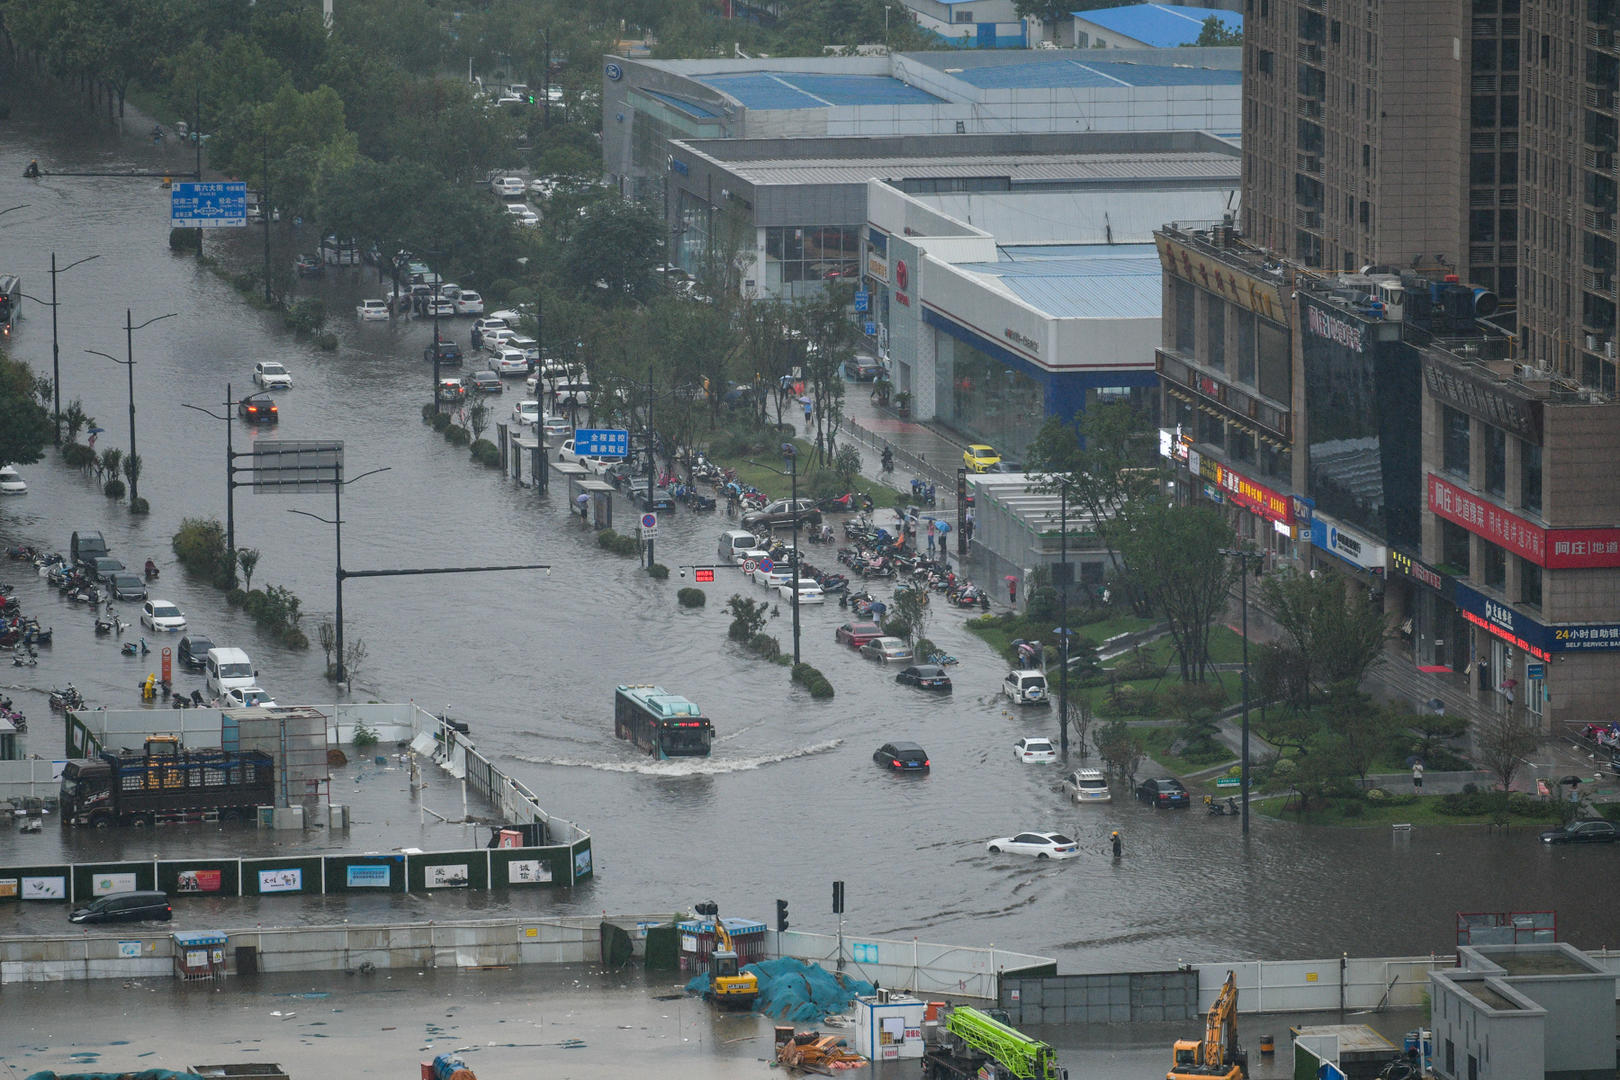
pixel 166 782
pixel 971 1045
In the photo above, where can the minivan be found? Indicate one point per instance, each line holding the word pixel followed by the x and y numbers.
pixel 227 668
pixel 735 541
pixel 125 907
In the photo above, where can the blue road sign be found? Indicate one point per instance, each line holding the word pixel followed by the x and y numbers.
pixel 602 442
pixel 871 329
pixel 863 301
pixel 221 205
pixel 767 565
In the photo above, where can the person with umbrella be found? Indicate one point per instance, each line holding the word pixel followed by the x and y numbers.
pixel 805 401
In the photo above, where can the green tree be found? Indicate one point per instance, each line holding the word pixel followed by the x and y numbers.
pixel 1502 742
pixel 911 605
pixel 747 617
pixel 1331 633
pixel 248 560
pixel 1172 553
pixel 1365 730
pixel 1121 751
pixel 1216 32
pixel 1435 729
pixel 26 427
pixel 611 253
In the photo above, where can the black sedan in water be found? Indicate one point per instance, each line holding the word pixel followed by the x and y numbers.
pixel 193 651
pixel 902 757
pixel 1589 831
pixel 925 676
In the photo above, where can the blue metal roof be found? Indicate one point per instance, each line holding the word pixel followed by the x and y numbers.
pixel 804 90
pixel 198 937
pixel 1081 281
pixel 690 108
pixel 1160 25
pixel 1051 74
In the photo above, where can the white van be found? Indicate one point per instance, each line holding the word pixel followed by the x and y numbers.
pixel 226 669
pixel 735 541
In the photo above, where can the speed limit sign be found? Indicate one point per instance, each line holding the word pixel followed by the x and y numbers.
pixel 749 566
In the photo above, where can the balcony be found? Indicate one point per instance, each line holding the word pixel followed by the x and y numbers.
pixel 1600 98
pixel 1597 220
pixel 1308 163
pixel 1310 54
pixel 1597 280
pixel 1305 218
pixel 1599 37
pixel 1310 108
pixel 1601 160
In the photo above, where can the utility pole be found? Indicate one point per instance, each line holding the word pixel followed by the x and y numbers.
pixel 793 557
pixel 545 79
pixel 1243 556
pixel 651 464
pixel 266 213
pixel 230 466
pixel 1063 619
pixel 56 350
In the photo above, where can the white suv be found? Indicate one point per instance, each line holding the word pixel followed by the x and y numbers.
pixel 1026 688
pixel 1087 785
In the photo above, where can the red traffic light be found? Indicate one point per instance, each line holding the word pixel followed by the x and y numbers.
pixel 703 575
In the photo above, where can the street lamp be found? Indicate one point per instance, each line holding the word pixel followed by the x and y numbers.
pixel 56 354
pixel 1245 556
pixel 791 452
pixel 230 467
pixel 336 521
pixel 129 365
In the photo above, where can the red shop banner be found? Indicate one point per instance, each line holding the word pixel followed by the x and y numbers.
pixel 1256 498
pixel 1557 549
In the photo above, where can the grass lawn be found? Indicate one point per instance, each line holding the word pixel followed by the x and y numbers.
pixel 779 486
pixel 1158 738
pixel 1418 810
pixel 1225 647
pixel 1000 634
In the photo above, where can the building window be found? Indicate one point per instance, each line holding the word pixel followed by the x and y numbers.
pixel 1243 366
pixel 1186 317
pixel 1529 583
pixel 1451 1058
pixel 1495 460
pixel 1211 430
pixel 1274 363
pixel 1454 548
pixel 1239 444
pixel 1493 565
pixel 962 16
pixel 1454 432
pixel 1267 61
pixel 1530 476
pixel 1215 330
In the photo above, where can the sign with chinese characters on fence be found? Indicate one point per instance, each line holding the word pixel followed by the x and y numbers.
pixel 1556 549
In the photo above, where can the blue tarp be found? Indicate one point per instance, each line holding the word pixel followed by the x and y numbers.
pixel 793 990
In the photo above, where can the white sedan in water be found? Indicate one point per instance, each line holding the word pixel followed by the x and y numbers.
pixel 1035 751
pixel 162 615
pixel 1042 845
pixel 809 592
pixel 372 310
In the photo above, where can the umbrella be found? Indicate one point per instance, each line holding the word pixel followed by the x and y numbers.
pixel 804 399
pixel 1572 781
pixel 942 526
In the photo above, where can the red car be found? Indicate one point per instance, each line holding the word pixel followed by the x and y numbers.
pixel 856 634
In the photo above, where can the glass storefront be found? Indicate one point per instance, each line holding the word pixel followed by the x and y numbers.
pixel 800 259
pixel 983 398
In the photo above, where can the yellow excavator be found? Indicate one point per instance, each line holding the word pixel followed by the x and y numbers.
pixel 1217 1054
pixel 729 986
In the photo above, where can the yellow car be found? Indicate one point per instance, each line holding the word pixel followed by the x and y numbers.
pixel 979 457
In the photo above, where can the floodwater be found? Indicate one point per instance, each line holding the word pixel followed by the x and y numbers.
pixel 790 799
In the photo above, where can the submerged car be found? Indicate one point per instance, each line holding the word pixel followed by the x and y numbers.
pixel 11 482
pixel 193 651
pixel 1026 687
pixel 1035 751
pixel 886 649
pixel 372 310
pixel 257 409
pixel 1042 845
pixel 125 907
pixel 247 697
pixel 162 615
pixel 1163 791
pixel 486 382
pixel 270 374
pixel 902 757
pixel 1087 785
pixel 925 676
pixel 856 634
pixel 1590 831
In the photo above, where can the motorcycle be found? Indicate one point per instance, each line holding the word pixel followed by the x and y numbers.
pixel 66 698
pixel 130 648
pixel 888 460
pixel 1229 808
pixel 28 659
pixel 104 627
pixel 151 570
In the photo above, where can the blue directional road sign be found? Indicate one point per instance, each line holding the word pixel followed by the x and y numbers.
pixel 863 301
pixel 220 205
pixel 602 442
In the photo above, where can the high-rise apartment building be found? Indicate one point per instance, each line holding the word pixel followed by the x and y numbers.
pixel 1572 73
pixel 1385 134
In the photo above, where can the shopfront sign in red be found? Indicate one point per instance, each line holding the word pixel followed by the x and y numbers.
pixel 1556 549
pixel 1256 498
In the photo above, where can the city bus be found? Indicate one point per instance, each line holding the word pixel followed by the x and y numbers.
pixel 661 723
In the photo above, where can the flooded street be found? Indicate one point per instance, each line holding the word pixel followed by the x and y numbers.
pixel 790 799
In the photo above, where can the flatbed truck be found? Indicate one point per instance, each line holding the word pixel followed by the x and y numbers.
pixel 165 782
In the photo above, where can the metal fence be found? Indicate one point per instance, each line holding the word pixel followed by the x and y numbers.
pixel 924 968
